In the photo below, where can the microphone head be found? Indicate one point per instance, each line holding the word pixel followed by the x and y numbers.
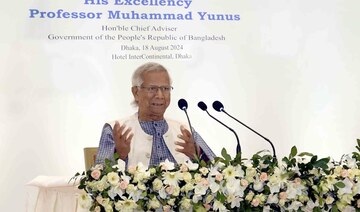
pixel 202 105
pixel 218 106
pixel 182 103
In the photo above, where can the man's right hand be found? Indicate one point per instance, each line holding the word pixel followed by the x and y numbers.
pixel 122 140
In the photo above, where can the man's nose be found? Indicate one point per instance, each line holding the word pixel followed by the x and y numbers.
pixel 159 92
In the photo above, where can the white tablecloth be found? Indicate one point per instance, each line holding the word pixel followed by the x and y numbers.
pixel 52 194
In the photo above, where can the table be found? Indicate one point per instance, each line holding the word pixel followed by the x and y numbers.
pixel 53 194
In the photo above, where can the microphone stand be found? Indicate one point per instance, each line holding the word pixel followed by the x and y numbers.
pixel 182 103
pixel 238 147
pixel 218 106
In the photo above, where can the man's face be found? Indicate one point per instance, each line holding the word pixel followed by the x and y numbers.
pixel 152 105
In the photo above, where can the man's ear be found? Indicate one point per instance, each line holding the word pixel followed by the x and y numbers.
pixel 135 91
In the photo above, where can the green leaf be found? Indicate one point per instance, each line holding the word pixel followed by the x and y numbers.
pixel 340 185
pixel 220 197
pixel 317 209
pixel 334 209
pixel 203 163
pixel 322 163
pixel 313 159
pixel 305 154
pixel 225 155
pixel 199 208
pixel 293 152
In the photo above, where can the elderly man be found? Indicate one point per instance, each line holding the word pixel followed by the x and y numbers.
pixel 146 136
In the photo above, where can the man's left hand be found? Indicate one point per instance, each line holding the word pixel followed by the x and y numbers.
pixel 189 147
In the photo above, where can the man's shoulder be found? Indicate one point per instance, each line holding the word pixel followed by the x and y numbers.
pixel 123 120
pixel 173 122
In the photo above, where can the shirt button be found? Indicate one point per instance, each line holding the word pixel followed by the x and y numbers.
pixel 147 155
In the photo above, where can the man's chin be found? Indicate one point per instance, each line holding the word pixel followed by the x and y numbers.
pixel 158 111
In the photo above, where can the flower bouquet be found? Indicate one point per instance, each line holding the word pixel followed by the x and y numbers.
pixel 299 182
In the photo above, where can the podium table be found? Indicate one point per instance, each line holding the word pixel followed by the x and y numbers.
pixel 53 194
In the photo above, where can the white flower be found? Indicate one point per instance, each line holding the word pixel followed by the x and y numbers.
pixel 233 200
pixel 356 188
pixel 113 178
pixel 310 205
pixel 185 204
pixel 349 209
pixel 162 193
pixel 201 187
pixel 276 180
pixel 107 204
pixel 141 186
pixel 196 198
pixel 295 205
pixel 140 176
pixel 192 166
pixel 258 185
pixel 85 201
pixel 125 205
pixel 157 184
pixel 154 203
pixel 214 186
pixel 171 202
pixel 120 165
pixel 176 191
pixel 197 177
pixel 347 189
pixel 209 198
pixel 114 191
pixel 218 206
pixel 133 192
pixel 102 184
pixel 187 187
pixel 140 167
pixel 187 177
pixel 350 162
pixel 204 170
pixel 354 173
pixel 171 178
pixel 293 190
pixel 329 200
pixel 267 208
pixel 167 165
pixel 250 174
pixel 272 199
pixel 249 196
pixel 347 198
pixel 233 187
pixel 232 172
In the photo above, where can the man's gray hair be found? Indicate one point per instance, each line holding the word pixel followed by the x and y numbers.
pixel 137 77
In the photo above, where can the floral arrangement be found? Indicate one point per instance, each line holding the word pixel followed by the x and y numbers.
pixel 299 182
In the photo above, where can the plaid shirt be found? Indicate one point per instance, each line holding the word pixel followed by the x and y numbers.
pixel 159 152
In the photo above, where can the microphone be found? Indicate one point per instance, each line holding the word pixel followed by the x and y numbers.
pixel 183 105
pixel 203 107
pixel 218 106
